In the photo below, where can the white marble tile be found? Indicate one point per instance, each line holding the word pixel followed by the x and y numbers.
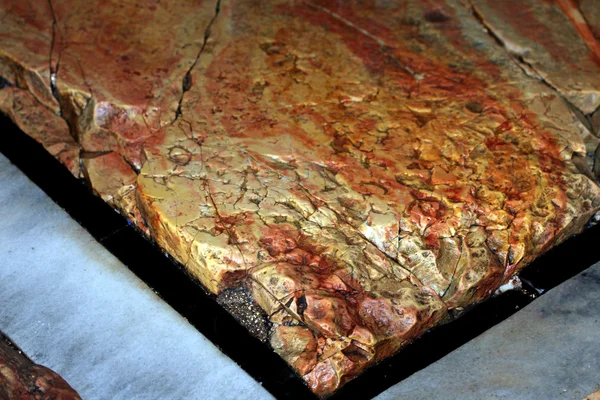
pixel 72 306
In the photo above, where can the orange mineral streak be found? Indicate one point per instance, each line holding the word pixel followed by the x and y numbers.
pixel 360 168
pixel 570 8
pixel 589 10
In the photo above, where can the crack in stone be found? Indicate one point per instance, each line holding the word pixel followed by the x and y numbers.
pixel 366 239
pixel 88 155
pixel 453 277
pixel 4 83
pixel 225 227
pixel 524 65
pixel 53 71
pixel 54 68
pixel 529 70
pixel 344 217
pixel 186 83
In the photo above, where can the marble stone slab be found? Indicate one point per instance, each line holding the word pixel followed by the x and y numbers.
pixel 344 176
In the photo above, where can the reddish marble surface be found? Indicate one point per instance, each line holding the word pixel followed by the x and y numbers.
pixel 358 168
pixel 554 43
pixel 21 379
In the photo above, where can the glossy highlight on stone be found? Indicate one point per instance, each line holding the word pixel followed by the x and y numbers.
pixel 340 175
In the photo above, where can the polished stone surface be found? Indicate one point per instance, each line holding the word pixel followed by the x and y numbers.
pixel 548 350
pixel 72 306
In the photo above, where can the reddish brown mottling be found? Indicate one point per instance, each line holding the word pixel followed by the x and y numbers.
pixel 570 8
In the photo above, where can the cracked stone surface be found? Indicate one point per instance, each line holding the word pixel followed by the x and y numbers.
pixel 562 57
pixel 21 379
pixel 351 171
pixel 565 59
pixel 544 351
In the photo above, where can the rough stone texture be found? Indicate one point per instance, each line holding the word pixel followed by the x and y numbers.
pixel 566 59
pixel 359 168
pixel 590 10
pixel 21 379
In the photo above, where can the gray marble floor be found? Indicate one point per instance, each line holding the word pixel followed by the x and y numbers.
pixel 75 308
pixel 72 306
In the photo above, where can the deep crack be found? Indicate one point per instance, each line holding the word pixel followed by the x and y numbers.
pixel 54 68
pixel 4 83
pixel 528 68
pixel 186 83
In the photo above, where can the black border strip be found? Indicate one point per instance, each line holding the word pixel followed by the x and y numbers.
pixel 174 285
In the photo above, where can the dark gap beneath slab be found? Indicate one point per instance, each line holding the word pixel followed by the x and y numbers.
pixel 174 285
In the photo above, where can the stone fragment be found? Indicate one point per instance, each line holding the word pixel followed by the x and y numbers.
pixel 21 379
